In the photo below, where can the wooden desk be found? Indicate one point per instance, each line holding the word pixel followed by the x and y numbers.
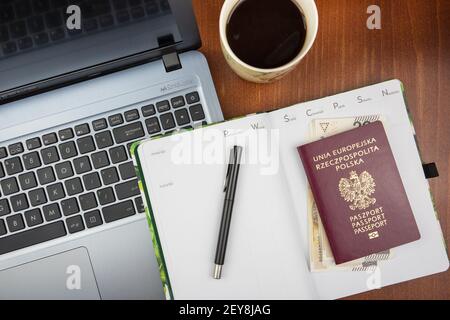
pixel 413 46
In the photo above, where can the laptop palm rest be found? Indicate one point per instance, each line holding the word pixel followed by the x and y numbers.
pixel 68 275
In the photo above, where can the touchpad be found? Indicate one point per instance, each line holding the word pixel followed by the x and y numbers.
pixel 68 275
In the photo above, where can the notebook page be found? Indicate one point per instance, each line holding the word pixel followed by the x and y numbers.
pixel 416 259
pixel 262 260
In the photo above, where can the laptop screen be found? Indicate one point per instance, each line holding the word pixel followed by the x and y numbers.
pixel 42 39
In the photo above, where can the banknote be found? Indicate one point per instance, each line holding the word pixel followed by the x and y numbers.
pixel 321 257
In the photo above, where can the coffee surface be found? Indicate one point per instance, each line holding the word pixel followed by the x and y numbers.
pixel 266 34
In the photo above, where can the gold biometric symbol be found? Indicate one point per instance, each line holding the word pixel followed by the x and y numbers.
pixel 357 190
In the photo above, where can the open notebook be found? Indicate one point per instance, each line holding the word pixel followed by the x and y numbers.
pixel 268 255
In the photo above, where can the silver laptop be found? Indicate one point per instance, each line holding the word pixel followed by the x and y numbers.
pixel 72 102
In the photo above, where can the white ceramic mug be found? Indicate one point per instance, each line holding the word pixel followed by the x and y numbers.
pixel 250 73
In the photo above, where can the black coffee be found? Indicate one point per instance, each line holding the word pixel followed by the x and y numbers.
pixel 266 34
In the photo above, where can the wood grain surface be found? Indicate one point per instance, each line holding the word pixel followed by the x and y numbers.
pixel 413 46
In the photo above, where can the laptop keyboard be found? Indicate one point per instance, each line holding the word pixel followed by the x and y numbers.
pixel 31 24
pixel 81 176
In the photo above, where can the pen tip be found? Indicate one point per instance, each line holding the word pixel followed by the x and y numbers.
pixel 217 271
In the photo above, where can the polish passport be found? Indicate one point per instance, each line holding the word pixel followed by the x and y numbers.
pixel 359 192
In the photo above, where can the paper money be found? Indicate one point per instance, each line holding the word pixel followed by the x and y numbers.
pixel 321 256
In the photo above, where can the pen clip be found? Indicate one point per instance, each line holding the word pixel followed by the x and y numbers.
pixel 225 182
pixel 230 164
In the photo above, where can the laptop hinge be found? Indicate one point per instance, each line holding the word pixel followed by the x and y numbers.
pixel 171 62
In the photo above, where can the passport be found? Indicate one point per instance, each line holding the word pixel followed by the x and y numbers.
pixel 359 192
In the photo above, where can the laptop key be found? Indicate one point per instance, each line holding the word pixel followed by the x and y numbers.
pixel 131 115
pixel 15 148
pixel 70 206
pixel 2 172
pixel 49 139
pixel 9 186
pixel 137 12
pixel 53 19
pixel 86 145
pixel 90 25
pixel 73 186
pixel 55 192
pixel 32 237
pixel 37 197
pixel 100 159
pixel 64 170
pixel 19 202
pixel 167 121
pixel 118 211
pixel 82 129
pixel 3 153
pixel 51 212
pixel 23 8
pixel 178 102
pixel 50 155
pixel 193 97
pixel 27 181
pixel 31 160
pixel 152 125
pixel 106 196
pixel 9 47
pixel 33 217
pixel 91 181
pixel 163 106
pixel 118 154
pixel 41 5
pixel 93 219
pixel 4 207
pixel 68 150
pixel 182 117
pixel 18 29
pixel 4 35
pixel 35 24
pixel 139 204
pixel 46 175
pixel 104 139
pixel 99 124
pixel 75 224
pixel 15 223
pixel 197 113
pixel 25 43
pixel 32 144
pixel 41 38
pixel 88 201
pixel 115 120
pixel 65 134
pixel 57 34
pixel 13 166
pixel 148 111
pixel 127 190
pixel 127 171
pixel 109 176
pixel 82 165
pixel 2 228
pixel 106 21
pixel 129 132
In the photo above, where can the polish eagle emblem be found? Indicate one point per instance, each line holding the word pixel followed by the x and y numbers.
pixel 357 190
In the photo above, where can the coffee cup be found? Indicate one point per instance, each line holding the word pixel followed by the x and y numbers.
pixel 262 73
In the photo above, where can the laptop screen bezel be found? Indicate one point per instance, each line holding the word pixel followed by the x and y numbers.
pixel 187 25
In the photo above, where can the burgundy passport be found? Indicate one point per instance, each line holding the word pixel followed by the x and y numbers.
pixel 359 193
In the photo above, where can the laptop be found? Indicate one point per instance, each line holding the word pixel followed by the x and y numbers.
pixel 72 223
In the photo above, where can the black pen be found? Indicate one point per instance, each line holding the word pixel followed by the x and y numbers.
pixel 230 191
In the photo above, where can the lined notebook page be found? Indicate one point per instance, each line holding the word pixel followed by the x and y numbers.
pixel 263 260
